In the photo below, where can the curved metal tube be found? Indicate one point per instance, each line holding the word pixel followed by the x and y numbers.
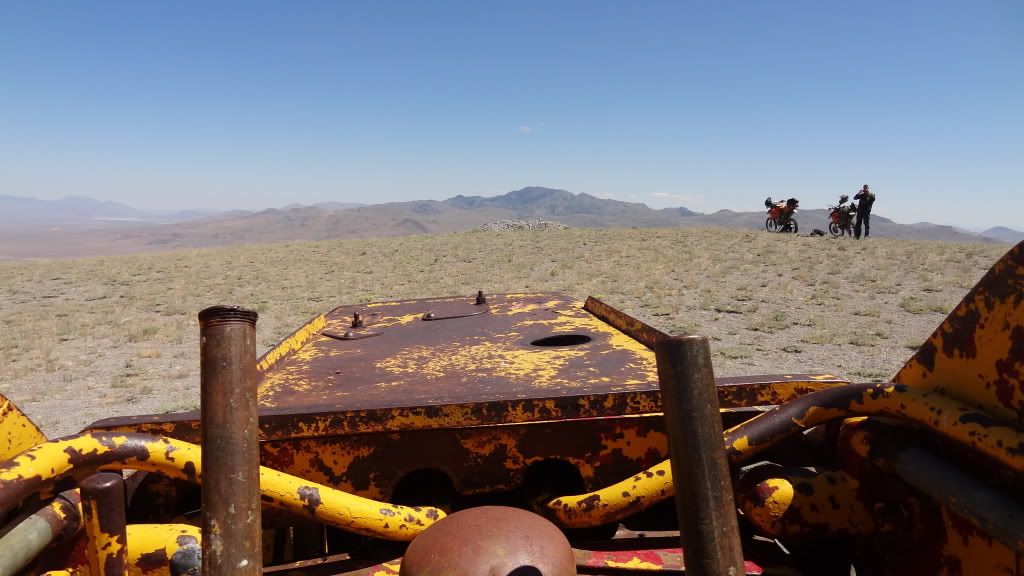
pixel 34 469
pixel 945 416
pixel 783 502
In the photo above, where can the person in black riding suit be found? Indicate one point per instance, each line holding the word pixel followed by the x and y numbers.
pixel 865 199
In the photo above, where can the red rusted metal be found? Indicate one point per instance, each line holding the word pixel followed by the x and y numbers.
pixel 231 542
pixel 704 501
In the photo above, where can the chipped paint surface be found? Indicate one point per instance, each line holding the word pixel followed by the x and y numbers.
pixel 290 344
pixel 150 549
pixel 787 502
pixel 459 359
pixel 932 539
pixel 103 508
pixel 945 416
pixel 977 354
pixel 17 432
pixel 34 469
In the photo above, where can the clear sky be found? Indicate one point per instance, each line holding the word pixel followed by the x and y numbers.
pixel 705 104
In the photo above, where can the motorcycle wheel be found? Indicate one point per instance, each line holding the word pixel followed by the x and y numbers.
pixel 790 226
pixel 771 225
pixel 834 229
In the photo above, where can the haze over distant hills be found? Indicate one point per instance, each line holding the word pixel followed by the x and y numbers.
pixel 82 212
pixel 128 230
pixel 1003 234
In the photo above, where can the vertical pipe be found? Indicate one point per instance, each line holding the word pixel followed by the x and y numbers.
pixel 230 449
pixel 704 499
pixel 106 532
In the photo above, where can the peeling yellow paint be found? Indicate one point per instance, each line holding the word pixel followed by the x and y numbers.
pixel 291 343
pixel 634 563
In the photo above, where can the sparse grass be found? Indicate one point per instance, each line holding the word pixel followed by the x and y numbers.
pixel 770 303
pixel 774 322
pixel 735 352
pixel 918 305
pixel 868 375
pixel 863 340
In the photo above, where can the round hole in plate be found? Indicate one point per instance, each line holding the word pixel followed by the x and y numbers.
pixel 562 340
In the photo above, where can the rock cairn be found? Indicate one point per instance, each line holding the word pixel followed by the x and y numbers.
pixel 535 224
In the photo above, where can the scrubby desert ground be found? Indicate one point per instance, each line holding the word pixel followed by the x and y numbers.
pixel 92 338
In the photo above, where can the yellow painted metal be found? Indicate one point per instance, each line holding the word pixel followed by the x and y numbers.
pixel 977 354
pixel 150 546
pixel 150 549
pixel 17 431
pixel 967 551
pixel 292 343
pixel 946 416
pixel 107 552
pixel 181 460
pixel 799 502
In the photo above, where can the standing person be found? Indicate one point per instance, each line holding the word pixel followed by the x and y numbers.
pixel 865 199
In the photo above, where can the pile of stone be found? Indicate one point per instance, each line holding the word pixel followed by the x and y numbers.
pixel 535 224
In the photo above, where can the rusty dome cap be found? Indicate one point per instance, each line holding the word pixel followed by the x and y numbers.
pixel 490 541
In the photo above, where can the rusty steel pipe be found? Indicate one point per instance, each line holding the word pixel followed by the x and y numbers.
pixel 106 528
pixel 230 447
pixel 704 500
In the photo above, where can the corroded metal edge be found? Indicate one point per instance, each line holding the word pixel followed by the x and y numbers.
pixel 283 423
pixel 291 343
pixel 628 325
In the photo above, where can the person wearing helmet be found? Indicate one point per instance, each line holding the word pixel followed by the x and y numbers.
pixel 865 199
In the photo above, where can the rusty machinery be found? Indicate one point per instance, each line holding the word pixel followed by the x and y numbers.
pixel 376 421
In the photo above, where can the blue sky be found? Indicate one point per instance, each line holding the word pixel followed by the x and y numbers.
pixel 708 105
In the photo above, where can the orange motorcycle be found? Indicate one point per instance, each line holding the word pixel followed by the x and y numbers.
pixel 840 217
pixel 780 215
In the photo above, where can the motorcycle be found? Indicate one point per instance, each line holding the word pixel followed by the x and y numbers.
pixel 780 215
pixel 840 217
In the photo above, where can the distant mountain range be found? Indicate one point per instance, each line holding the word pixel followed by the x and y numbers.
pixel 1003 234
pixel 128 230
pixel 82 211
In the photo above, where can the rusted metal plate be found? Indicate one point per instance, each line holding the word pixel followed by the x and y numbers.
pixel 466 358
pixel 465 370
